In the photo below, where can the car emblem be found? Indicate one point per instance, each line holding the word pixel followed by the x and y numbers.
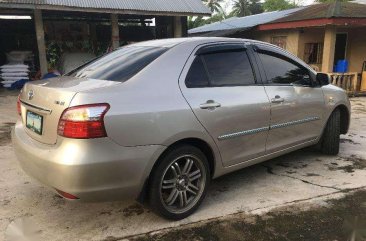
pixel 30 95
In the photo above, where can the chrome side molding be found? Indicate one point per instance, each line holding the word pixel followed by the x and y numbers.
pixel 243 133
pixel 296 122
pixel 275 126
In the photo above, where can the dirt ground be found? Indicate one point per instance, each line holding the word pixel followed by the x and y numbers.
pixel 300 196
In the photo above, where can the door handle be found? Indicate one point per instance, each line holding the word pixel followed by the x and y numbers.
pixel 210 104
pixel 277 99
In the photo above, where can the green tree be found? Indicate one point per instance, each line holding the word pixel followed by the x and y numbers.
pixel 194 22
pixel 255 7
pixel 241 8
pixel 214 5
pixel 330 1
pixel 217 17
pixel 274 5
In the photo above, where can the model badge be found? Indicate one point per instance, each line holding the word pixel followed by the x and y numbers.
pixel 59 102
pixel 30 94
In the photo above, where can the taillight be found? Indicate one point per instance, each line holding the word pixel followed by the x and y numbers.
pixel 19 109
pixel 83 122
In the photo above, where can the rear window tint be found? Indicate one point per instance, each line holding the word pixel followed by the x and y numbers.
pixel 120 65
pixel 197 75
pixel 229 68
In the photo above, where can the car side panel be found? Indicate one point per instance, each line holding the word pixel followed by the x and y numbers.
pixel 239 126
pixel 333 97
pixel 298 119
pixel 149 108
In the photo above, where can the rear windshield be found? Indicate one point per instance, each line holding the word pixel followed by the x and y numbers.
pixel 119 65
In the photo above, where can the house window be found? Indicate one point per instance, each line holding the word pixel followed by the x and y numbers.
pixel 280 41
pixel 313 53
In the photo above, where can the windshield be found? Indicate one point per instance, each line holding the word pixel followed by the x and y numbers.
pixel 119 65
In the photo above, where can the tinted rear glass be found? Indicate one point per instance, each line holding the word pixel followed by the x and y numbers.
pixel 119 65
pixel 229 68
pixel 197 75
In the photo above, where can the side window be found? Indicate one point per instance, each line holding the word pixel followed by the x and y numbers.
pixel 229 68
pixel 281 71
pixel 197 75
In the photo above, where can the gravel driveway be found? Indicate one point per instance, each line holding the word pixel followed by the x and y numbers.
pixel 304 178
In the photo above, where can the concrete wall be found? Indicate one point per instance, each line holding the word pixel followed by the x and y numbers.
pixel 310 36
pixel 296 40
pixel 291 42
pixel 356 48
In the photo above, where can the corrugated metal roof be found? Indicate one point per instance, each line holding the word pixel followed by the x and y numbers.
pixel 327 10
pixel 188 7
pixel 236 23
pixel 220 33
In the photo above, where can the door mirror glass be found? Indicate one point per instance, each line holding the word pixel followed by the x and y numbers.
pixel 323 79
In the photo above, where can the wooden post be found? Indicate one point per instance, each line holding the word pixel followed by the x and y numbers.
pixel 178 30
pixel 115 31
pixel 329 48
pixel 184 26
pixel 293 45
pixel 40 41
pixel 93 36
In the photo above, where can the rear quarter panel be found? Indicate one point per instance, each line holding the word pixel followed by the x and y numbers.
pixel 149 109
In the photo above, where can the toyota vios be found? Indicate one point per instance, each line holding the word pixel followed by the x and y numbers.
pixel 160 119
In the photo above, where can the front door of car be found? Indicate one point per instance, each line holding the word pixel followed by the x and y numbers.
pixel 297 102
pixel 220 84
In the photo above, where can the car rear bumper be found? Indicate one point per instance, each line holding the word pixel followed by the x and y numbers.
pixel 92 170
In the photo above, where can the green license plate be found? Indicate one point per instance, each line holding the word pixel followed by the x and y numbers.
pixel 34 122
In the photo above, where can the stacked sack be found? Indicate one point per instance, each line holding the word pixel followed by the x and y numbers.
pixel 11 73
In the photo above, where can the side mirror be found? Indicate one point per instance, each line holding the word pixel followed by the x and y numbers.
pixel 323 79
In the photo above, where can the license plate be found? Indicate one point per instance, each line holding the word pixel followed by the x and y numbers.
pixel 34 122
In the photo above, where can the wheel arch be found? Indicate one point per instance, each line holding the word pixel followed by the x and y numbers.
pixel 345 117
pixel 196 142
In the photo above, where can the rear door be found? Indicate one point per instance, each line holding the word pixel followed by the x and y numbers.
pixel 222 87
pixel 297 101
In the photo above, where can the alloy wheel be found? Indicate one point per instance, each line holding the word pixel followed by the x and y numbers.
pixel 182 183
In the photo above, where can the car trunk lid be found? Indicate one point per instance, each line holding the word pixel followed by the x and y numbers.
pixel 43 102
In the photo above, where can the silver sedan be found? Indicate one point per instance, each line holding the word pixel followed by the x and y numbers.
pixel 158 120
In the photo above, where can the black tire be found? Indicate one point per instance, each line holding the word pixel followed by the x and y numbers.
pixel 165 170
pixel 331 135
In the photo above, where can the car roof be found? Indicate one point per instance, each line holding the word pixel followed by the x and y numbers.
pixel 171 42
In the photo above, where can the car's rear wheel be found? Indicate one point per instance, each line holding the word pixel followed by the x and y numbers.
pixel 179 182
pixel 331 135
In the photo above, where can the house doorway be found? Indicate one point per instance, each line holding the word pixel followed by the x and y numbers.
pixel 340 47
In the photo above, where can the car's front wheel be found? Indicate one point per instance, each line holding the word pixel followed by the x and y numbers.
pixel 331 135
pixel 179 182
